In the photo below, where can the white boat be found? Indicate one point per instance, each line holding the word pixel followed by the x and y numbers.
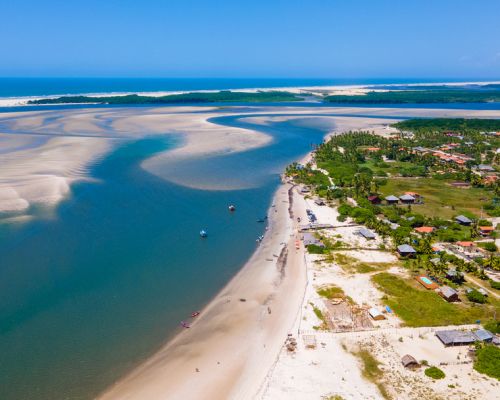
pixel 203 233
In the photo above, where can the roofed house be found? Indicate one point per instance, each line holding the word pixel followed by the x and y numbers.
pixel 463 220
pixel 319 202
pixel 424 229
pixel 414 194
pixel 376 314
pixel 406 250
pixel 456 337
pixel 484 335
pixel 391 199
pixel 309 238
pixel 486 230
pixel 485 168
pixel 367 234
pixel 448 293
pixel 409 362
pixel 455 276
pixel 374 199
pixel 407 199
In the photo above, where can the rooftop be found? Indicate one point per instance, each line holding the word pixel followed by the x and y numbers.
pixel 405 248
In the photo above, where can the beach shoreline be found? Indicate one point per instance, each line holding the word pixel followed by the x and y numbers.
pixel 240 331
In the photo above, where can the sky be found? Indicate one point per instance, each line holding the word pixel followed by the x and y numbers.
pixel 252 38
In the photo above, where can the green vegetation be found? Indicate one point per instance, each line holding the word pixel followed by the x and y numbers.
pixel 420 307
pixel 419 96
pixel 321 317
pixel 315 249
pixel 440 199
pixel 488 361
pixel 476 297
pixel 492 326
pixel 371 370
pixel 495 285
pixel 449 124
pixel 489 246
pixel 331 292
pixel 196 97
pixel 434 373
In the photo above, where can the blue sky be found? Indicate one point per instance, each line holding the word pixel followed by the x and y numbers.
pixel 254 38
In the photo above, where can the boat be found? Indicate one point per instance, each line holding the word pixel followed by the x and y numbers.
pixel 203 233
pixel 260 220
pixel 185 325
pixel 195 314
pixel 232 208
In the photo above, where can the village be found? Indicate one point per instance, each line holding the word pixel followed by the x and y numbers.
pixel 407 292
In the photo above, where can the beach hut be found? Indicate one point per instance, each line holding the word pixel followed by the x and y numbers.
pixel 448 293
pixel 374 199
pixel 463 220
pixel 456 337
pixel 309 238
pixel 409 362
pixel 366 234
pixel 376 314
pixel 391 199
pixel 407 199
pixel 406 250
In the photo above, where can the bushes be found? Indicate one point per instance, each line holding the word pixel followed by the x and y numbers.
pixel 315 249
pixel 492 326
pixel 476 297
pixel 495 285
pixel 434 373
pixel 488 361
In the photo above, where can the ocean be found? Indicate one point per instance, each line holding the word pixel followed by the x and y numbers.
pixel 17 87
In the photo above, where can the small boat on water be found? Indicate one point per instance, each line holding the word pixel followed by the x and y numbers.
pixel 203 233
pixel 260 220
pixel 195 314
pixel 185 325
pixel 232 208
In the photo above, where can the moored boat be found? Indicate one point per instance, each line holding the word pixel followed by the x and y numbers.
pixel 203 233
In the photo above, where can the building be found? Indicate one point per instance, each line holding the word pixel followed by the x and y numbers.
pixel 406 250
pixel 374 199
pixel 366 233
pixel 455 276
pixel 484 335
pixel 485 168
pixel 424 229
pixel 414 194
pixel 319 202
pixel 456 337
pixel 409 362
pixel 391 199
pixel 486 230
pixel 309 238
pixel 407 199
pixel 376 314
pixel 462 220
pixel 448 293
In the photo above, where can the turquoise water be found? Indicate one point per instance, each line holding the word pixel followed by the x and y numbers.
pixel 426 280
pixel 12 87
pixel 88 294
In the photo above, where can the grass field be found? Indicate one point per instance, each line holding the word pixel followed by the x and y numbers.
pixel 420 307
pixel 440 199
